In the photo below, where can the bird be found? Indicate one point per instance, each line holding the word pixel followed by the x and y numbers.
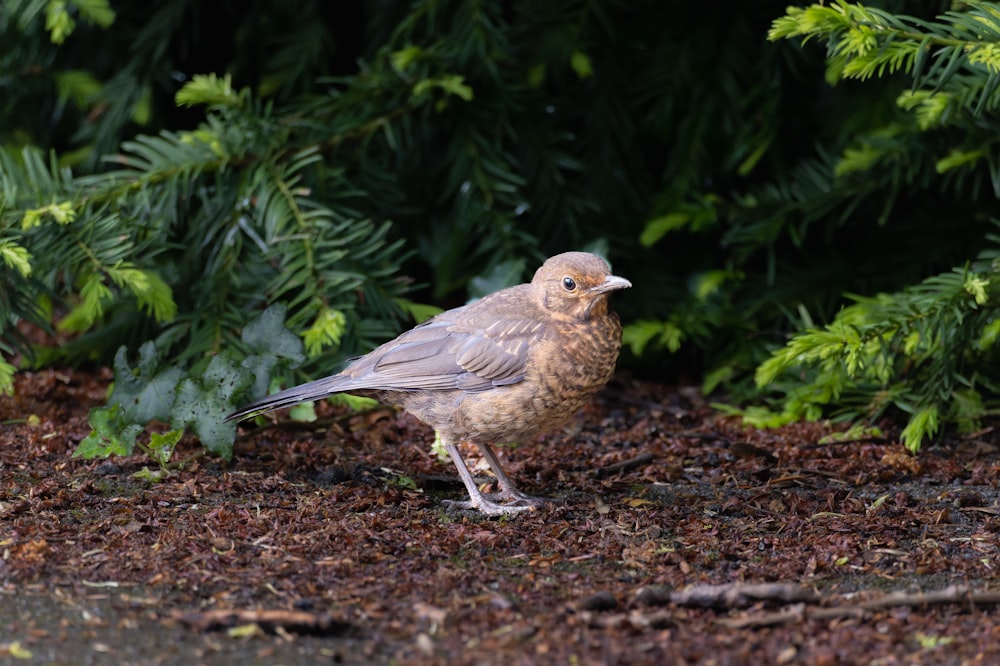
pixel 514 364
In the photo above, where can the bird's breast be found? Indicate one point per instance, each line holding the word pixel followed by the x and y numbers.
pixel 565 366
pixel 564 369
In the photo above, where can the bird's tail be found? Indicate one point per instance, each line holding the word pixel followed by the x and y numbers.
pixel 292 396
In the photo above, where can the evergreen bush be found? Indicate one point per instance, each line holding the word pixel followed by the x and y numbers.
pixel 183 184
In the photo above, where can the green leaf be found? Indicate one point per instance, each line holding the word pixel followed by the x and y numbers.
pixel 267 334
pixel 210 90
pixel 203 403
pixel 580 62
pixel 438 449
pixel 929 641
pixel 326 331
pixel 987 54
pixel 162 446
pixel 659 227
pixel 452 84
pixel 757 416
pixel 95 11
pixel 929 107
pixel 18 651
pixel 639 334
pixel 536 75
pixel 857 159
pixel 304 412
pixel 455 85
pixel 63 213
pixel 58 21
pixel 403 58
pixel 112 434
pixel 156 297
pixel 143 110
pixel 921 425
pixel 152 293
pixel 6 378
pixel 274 345
pixel 420 312
pixel 967 409
pixel 716 378
pixel 77 85
pixel 958 158
pixel 856 431
pixel 94 294
pixel 977 287
pixel 150 475
pixel 147 392
pixel 16 257
pixel 356 402
pixel 989 335
pixel 704 284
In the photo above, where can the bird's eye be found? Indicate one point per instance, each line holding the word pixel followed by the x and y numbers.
pixel 569 284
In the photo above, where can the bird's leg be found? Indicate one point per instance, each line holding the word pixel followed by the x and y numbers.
pixel 476 498
pixel 507 489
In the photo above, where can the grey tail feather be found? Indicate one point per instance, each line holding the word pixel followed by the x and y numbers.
pixel 314 390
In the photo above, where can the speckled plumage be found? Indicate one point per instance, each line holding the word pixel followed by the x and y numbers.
pixel 511 365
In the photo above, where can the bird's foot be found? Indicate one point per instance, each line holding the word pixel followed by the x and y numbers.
pixel 491 508
pixel 517 498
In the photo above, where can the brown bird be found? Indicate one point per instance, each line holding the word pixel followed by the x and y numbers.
pixel 511 365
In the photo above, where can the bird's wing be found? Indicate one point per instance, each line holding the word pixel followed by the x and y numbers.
pixel 457 350
pixel 446 353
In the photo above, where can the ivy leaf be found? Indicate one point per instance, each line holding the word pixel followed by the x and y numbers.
pixel 112 434
pixel 162 446
pixel 305 412
pixel 273 344
pixel 147 392
pixel 202 403
pixel 268 334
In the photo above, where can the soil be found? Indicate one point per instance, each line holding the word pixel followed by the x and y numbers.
pixel 328 543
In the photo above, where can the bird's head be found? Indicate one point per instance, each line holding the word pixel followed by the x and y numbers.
pixel 576 285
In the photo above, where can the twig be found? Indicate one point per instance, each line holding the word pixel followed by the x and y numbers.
pixel 954 594
pixel 738 595
pixel 623 466
pixel 845 442
pixel 272 621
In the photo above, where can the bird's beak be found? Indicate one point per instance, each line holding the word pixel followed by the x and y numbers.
pixel 611 283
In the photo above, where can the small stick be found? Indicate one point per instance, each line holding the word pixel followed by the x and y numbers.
pixel 623 466
pixel 271 621
pixel 954 594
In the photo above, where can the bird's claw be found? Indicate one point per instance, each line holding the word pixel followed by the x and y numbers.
pixel 517 498
pixel 491 508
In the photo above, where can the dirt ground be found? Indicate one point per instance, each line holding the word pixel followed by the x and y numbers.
pixel 674 536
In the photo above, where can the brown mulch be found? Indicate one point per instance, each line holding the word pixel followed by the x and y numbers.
pixel 676 536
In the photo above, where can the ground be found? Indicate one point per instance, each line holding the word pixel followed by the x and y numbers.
pixel 328 543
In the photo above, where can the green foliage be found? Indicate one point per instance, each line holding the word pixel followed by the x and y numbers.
pixel 197 399
pixel 111 434
pixel 926 350
pixel 367 168
pixel 202 400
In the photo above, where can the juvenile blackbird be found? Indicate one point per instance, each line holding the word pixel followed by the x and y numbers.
pixel 511 365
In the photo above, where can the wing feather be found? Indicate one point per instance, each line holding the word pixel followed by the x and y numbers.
pixel 449 352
